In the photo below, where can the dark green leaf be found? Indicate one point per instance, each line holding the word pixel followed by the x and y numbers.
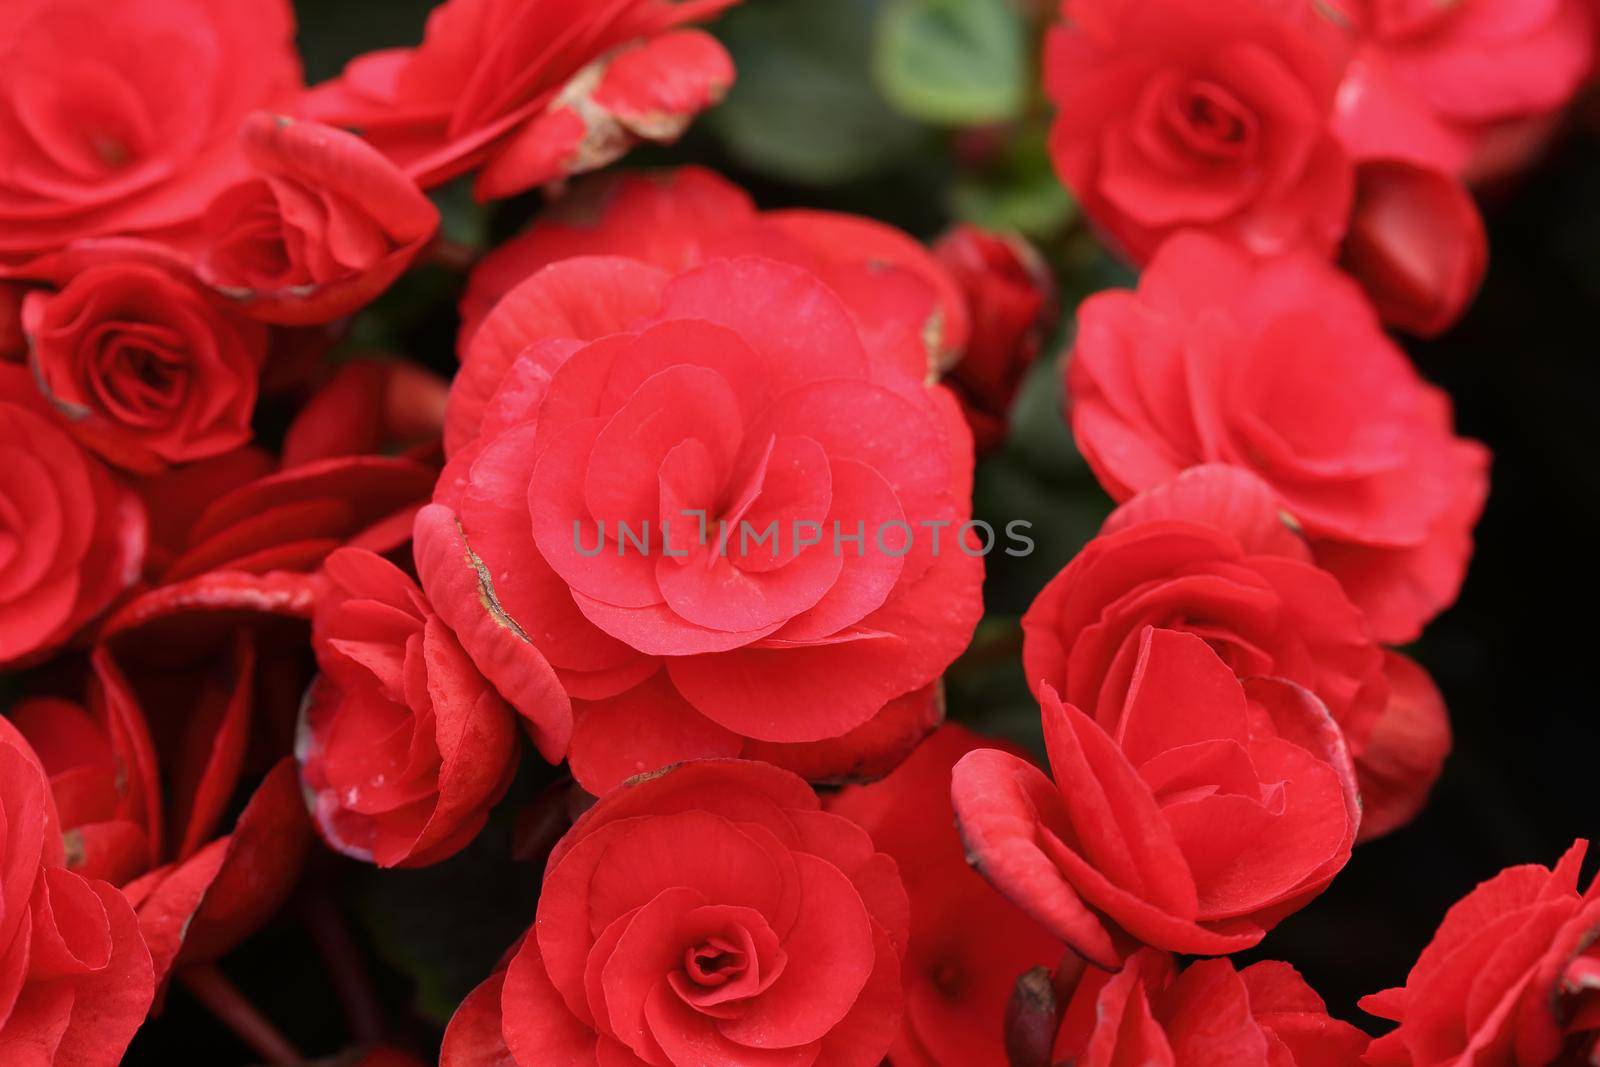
pixel 803 107
pixel 953 62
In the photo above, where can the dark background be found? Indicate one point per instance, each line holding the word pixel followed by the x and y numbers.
pixel 1516 658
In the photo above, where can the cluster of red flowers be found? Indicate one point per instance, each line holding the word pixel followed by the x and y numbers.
pixel 358 628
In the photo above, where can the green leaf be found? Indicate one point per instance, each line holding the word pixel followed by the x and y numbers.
pixel 803 107
pixel 954 62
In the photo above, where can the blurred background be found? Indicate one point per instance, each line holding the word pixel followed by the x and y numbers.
pixel 924 112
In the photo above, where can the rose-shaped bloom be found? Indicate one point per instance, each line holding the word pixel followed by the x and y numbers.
pixel 530 91
pixel 404 746
pixel 1416 244
pixel 900 295
pixel 1011 300
pixel 122 116
pixel 968 943
pixel 1461 86
pixel 1246 588
pixel 619 506
pixel 102 770
pixel 327 225
pixel 1154 1015
pixel 1279 366
pixel 147 368
pixel 1192 819
pixel 1511 978
pixel 71 537
pixel 1211 553
pixel 711 916
pixel 75 976
pixel 1175 115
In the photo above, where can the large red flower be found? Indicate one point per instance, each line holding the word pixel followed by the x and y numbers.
pixel 901 296
pixel 1175 115
pixel 711 916
pixel 404 746
pixel 1192 817
pixel 122 116
pixel 968 943
pixel 1153 1014
pixel 146 366
pixel 641 440
pixel 325 226
pixel 1464 86
pixel 1511 977
pixel 1279 366
pixel 1211 553
pixel 1210 556
pixel 529 91
pixel 72 538
pixel 75 976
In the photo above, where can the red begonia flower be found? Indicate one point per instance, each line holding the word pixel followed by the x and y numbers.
pixel 146 367
pixel 530 91
pixel 72 537
pixel 75 977
pixel 327 224
pixel 122 116
pixel 1194 367
pixel 1174 115
pixel 1210 555
pixel 710 916
pixel 403 745
pixel 968 943
pixel 1152 1014
pixel 1448 85
pixel 1511 977
pixel 1398 729
pixel 1192 817
pixel 742 390
pixel 905 302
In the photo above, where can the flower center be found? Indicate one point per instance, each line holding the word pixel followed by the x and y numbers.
pixel 1210 121
pixel 715 963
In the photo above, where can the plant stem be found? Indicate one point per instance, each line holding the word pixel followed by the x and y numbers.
pixel 233 1009
pixel 342 956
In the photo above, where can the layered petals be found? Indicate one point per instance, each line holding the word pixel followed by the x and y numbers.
pixel 775 939
pixel 530 91
pixel 1191 369
pixel 1193 821
pixel 403 745
pixel 1508 977
pixel 327 224
pixel 718 486
pixel 72 537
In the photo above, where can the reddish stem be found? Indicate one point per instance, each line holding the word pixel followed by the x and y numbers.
pixel 342 956
pixel 233 1009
